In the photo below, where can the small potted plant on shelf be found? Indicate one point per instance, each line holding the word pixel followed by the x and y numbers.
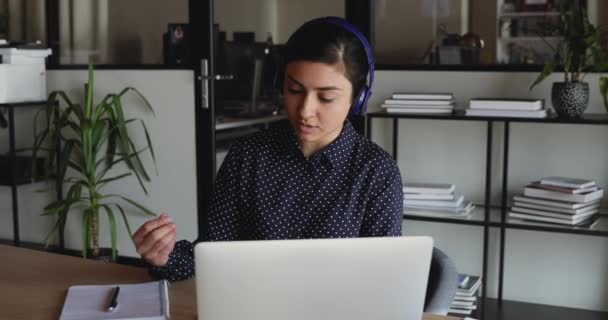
pixel 83 143
pixel 580 51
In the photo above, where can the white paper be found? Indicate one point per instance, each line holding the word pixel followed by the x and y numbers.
pixel 135 301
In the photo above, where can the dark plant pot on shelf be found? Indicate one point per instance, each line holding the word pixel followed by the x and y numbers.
pixel 570 99
pixel 604 91
pixel 105 254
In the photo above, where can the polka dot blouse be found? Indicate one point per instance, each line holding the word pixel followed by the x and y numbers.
pixel 267 189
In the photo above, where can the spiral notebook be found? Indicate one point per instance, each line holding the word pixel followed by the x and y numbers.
pixel 143 301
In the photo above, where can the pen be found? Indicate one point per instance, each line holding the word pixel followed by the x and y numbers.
pixel 114 302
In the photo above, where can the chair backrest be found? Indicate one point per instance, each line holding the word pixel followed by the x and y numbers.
pixel 442 285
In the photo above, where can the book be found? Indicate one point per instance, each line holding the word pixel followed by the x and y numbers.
pixel 554 195
pixel 420 110
pixel 464 209
pixel 463 304
pixel 437 214
pixel 552 203
pixel 463 279
pixel 465 298
pixel 506 104
pixel 435 188
pixel 416 106
pixel 422 96
pixel 575 183
pixel 466 312
pixel 506 113
pixel 419 102
pixel 571 222
pixel 428 196
pixel 557 215
pixel 149 301
pixel 593 207
pixel 538 185
pixel 470 288
pixel 457 202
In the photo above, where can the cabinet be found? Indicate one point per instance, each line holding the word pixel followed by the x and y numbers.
pixel 521 33
pixel 14 181
pixel 488 216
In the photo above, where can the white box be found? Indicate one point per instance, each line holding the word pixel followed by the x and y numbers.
pixel 22 83
pixel 23 75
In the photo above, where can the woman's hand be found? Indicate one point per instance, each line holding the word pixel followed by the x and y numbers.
pixel 155 240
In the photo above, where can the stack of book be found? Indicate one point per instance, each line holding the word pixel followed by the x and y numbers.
pixel 514 108
pixel 434 200
pixel 560 200
pixel 420 103
pixel 465 300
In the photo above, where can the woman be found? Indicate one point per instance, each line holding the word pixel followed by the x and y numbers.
pixel 313 178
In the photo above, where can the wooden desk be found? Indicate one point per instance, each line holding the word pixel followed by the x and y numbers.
pixel 33 284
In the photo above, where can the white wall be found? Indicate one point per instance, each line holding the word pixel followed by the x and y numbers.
pixel 172 131
pixel 547 268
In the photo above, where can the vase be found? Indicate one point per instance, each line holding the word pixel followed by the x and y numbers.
pixel 570 99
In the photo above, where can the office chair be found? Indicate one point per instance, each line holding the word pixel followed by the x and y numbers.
pixel 442 286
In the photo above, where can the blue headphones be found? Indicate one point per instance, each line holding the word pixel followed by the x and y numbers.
pixel 361 100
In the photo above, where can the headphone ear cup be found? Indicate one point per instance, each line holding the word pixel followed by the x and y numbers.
pixel 361 101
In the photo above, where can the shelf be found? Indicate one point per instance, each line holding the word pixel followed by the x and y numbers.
pixel 476 218
pixel 530 38
pixel 598 228
pixel 514 310
pixel 232 123
pixel 23 104
pixel 528 14
pixel 457 115
pixel 589 118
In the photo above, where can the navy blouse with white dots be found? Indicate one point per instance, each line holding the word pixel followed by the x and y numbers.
pixel 267 189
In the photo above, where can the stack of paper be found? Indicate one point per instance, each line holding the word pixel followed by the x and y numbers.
pixel 503 107
pixel 434 200
pixel 420 103
pixel 465 300
pixel 560 200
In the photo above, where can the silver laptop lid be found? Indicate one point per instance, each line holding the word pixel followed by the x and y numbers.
pixel 354 279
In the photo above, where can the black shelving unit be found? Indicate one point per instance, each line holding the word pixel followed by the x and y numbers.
pixel 496 217
pixel 12 153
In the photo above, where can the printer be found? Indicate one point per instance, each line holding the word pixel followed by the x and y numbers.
pixel 22 72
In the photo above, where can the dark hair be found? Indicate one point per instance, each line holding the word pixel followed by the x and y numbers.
pixel 329 43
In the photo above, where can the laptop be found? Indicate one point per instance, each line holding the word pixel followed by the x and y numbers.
pixel 354 279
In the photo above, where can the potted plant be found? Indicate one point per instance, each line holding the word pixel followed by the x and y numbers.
pixel 579 51
pixel 84 142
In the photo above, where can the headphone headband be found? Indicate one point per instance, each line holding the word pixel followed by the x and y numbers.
pixel 360 106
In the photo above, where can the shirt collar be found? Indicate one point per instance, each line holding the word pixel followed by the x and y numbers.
pixel 333 152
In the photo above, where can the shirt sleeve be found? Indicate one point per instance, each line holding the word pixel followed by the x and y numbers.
pixel 384 214
pixel 180 265
pixel 223 220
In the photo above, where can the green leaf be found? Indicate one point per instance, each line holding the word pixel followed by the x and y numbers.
pixel 112 221
pixel 52 236
pixel 89 93
pixel 133 203
pixel 150 145
pixel 124 217
pixel 547 70
pixel 86 232
pixel 104 181
pixel 141 96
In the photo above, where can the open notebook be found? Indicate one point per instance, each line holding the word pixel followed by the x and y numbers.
pixel 143 301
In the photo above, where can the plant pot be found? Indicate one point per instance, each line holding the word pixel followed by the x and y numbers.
pixel 570 99
pixel 105 254
pixel 604 91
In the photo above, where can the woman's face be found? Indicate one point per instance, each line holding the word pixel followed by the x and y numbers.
pixel 317 100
